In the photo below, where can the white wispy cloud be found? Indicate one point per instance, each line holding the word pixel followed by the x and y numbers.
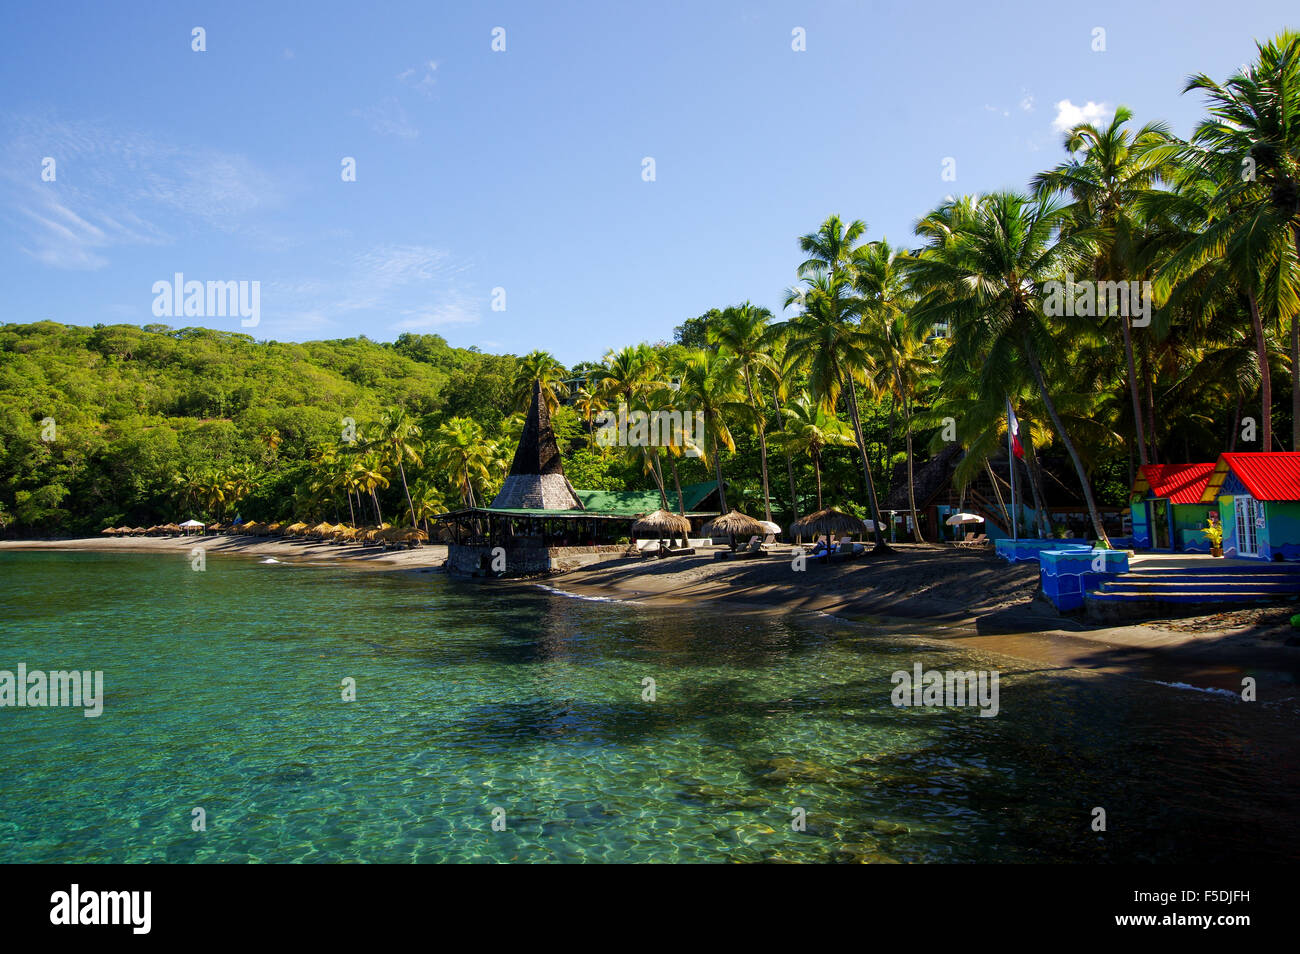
pixel 114 188
pixel 422 78
pixel 1069 115
pixel 388 118
pixel 406 287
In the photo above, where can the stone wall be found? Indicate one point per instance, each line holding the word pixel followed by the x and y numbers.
pixel 528 561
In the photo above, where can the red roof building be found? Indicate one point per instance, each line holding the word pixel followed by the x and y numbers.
pixel 1177 483
pixel 1265 476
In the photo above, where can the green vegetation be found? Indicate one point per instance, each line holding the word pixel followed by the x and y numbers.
pixel 886 357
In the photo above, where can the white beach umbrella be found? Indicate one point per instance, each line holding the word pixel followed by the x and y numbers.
pixel 192 524
pixel 770 527
pixel 963 518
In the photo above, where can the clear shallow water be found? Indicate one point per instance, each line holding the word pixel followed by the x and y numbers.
pixel 223 691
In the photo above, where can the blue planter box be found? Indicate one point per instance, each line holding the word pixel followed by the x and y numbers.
pixel 1026 551
pixel 1067 574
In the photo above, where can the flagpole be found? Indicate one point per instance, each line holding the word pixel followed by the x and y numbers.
pixel 1011 472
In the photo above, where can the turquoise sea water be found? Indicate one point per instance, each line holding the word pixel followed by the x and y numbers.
pixel 223 691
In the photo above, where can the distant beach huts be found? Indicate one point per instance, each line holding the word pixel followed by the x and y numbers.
pixel 1258 496
pixel 1167 510
pixel 1254 496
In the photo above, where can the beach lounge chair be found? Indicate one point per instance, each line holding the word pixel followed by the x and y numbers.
pixel 846 549
pixel 973 540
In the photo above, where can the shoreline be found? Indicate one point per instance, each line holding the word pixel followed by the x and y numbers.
pixel 922 592
pixel 969 600
pixel 367 558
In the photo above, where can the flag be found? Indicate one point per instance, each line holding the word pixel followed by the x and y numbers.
pixel 1013 432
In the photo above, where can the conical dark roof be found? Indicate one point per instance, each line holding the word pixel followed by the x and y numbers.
pixel 536 480
pixel 537 452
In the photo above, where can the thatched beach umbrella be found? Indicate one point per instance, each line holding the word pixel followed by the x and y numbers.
pixel 732 525
pixel 831 522
pixel 109 530
pixel 661 523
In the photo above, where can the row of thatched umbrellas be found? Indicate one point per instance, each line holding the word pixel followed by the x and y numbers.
pixel 829 522
pixel 323 532
pixel 158 530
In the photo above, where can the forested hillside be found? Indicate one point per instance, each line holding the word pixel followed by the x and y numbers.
pixel 97 424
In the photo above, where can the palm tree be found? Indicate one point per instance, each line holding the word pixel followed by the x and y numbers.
pixel 1216 243
pixel 826 339
pixel 809 429
pixel 428 502
pixel 984 276
pixel 1109 172
pixel 460 449
pixel 1250 145
pixel 628 378
pixel 881 280
pixel 742 332
pixel 401 437
pixel 539 367
pixel 709 385
pixel 372 474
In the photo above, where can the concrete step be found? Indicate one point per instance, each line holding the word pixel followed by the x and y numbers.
pixel 1281 586
pixel 1192 596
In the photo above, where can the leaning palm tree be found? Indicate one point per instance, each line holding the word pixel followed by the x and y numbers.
pixel 881 280
pixel 985 279
pixel 709 385
pixel 742 332
pixel 1220 245
pixel 810 429
pixel 626 380
pixel 826 339
pixel 460 449
pixel 400 437
pixel 1250 145
pixel 1109 172
pixel 372 474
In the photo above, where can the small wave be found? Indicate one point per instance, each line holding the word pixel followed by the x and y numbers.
pixel 580 596
pixel 1210 689
pixel 269 560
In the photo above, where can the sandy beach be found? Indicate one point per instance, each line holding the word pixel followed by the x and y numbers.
pixel 967 598
pixel 927 592
pixel 374 558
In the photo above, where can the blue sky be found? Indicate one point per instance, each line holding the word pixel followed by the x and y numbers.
pixel 523 169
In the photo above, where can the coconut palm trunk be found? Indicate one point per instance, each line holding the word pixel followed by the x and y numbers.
pixel 1133 390
pixel 762 444
pixel 997 493
pixel 1265 380
pixel 677 483
pixel 848 385
pixel 911 483
pixel 402 470
pixel 1036 489
pixel 1295 380
pixel 1035 366
pixel 817 470
pixel 789 465
pixel 717 472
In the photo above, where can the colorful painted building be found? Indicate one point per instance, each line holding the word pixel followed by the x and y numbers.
pixel 1258 496
pixel 1168 507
